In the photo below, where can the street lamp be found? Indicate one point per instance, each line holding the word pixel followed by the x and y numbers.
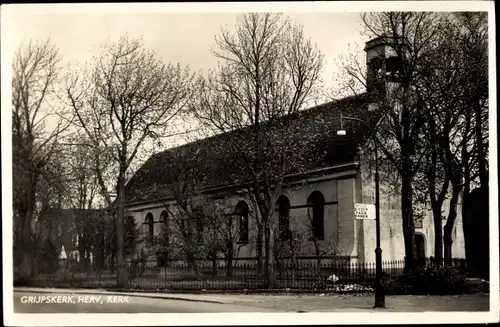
pixel 379 290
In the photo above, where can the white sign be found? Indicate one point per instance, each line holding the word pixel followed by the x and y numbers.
pixel 62 255
pixel 364 211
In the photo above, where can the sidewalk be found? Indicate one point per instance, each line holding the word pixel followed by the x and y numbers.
pixel 309 302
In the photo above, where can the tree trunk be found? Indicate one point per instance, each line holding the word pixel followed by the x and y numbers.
pixel 82 253
pixel 318 269
pixel 27 246
pixel 36 262
pixel 450 223
pixel 259 249
pixel 467 230
pixel 229 263
pixel 214 264
pixel 112 262
pixel 437 199
pixel 438 233
pixel 481 153
pixel 26 252
pixel 269 245
pixel 466 203
pixel 448 242
pixel 407 218
pixel 120 259
pixel 24 272
pixel 294 264
pixel 192 259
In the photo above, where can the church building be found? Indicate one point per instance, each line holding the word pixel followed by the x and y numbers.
pixel 331 203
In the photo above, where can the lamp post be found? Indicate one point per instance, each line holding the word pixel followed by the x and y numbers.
pixel 379 290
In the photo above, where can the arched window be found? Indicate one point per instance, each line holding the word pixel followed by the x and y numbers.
pixel 283 205
pixel 149 222
pixel 164 221
pixel 317 202
pixel 241 212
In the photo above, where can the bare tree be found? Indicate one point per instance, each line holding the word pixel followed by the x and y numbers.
pixel 36 131
pixel 202 228
pixel 410 38
pixel 472 170
pixel 323 245
pixel 126 98
pixel 183 187
pixel 232 235
pixel 81 192
pixel 454 91
pixel 440 90
pixel 268 72
pixel 288 243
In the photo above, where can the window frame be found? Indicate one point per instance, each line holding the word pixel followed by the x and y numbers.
pixel 242 212
pixel 284 206
pixel 316 201
pixel 149 221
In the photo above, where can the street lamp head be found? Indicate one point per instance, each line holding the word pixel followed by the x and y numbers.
pixel 341 131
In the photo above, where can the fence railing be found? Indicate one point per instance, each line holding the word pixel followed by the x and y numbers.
pixel 218 276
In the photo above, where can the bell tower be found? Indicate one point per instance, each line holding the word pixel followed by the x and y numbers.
pixel 382 62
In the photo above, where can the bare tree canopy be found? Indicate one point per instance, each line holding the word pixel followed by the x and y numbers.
pixel 268 71
pixel 35 71
pixel 408 42
pixel 125 98
pixel 434 71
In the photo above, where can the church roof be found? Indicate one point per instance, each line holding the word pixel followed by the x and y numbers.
pixel 324 148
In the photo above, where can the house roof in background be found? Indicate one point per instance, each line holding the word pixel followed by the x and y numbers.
pixel 152 180
pixel 66 219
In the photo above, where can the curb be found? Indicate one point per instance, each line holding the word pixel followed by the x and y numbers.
pixel 272 291
pixel 116 292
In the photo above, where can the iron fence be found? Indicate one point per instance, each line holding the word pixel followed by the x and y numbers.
pixel 205 275
pixel 216 276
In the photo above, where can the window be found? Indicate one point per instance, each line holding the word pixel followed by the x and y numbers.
pixel 284 217
pixel 149 223
pixel 393 67
pixel 241 212
pixel 375 82
pixel 317 202
pixel 162 254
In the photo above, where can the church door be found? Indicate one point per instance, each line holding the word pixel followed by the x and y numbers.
pixel 420 249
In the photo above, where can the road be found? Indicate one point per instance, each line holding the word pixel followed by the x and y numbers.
pixel 90 301
pixel 126 305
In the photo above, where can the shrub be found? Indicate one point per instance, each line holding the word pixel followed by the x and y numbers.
pixel 439 280
pixel 431 280
pixel 20 281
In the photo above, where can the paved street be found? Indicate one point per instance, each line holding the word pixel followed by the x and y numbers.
pixel 108 302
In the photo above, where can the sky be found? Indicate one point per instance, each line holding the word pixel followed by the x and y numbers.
pixel 184 38
pixel 185 34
